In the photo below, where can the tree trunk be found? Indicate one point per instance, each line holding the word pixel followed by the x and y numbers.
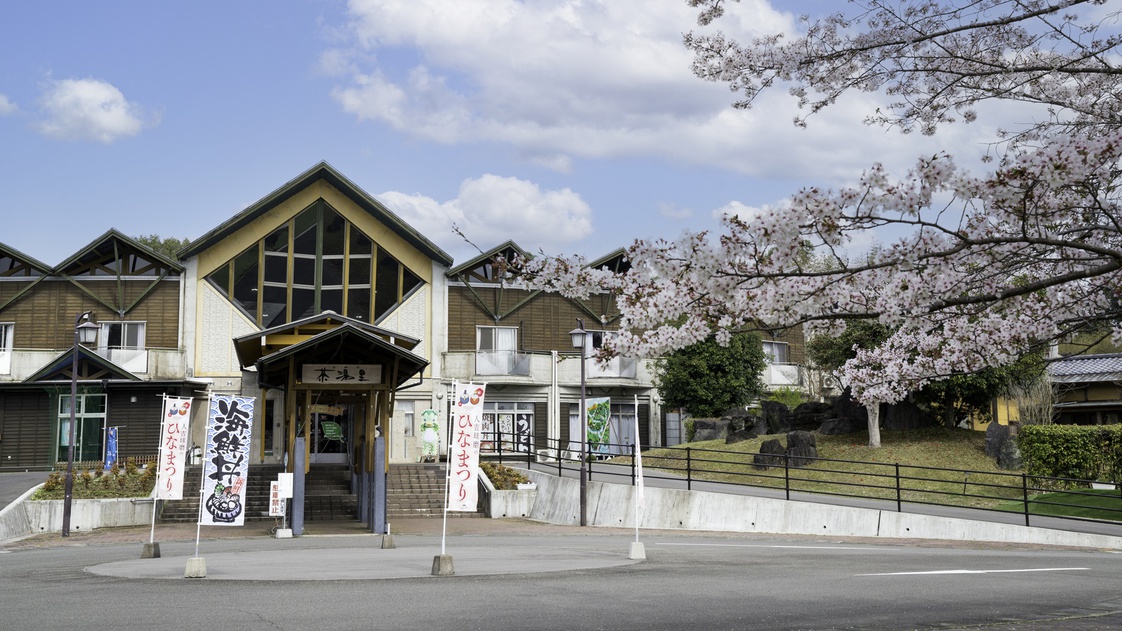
pixel 874 423
pixel 948 410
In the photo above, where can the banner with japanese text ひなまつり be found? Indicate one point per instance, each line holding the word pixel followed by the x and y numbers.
pixel 173 448
pixel 463 453
pixel 226 460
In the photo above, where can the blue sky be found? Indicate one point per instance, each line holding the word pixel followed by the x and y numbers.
pixel 570 126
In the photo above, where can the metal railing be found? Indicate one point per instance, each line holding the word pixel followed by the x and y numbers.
pixel 892 484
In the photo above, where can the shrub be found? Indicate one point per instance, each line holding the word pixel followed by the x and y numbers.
pixel 130 466
pixel 55 481
pixel 1083 452
pixel 503 477
pixel 788 396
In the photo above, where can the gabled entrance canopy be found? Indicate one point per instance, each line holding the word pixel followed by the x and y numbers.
pixel 343 344
pixel 292 357
pixel 91 366
pixel 328 338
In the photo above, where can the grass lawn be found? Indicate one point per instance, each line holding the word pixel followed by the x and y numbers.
pixel 851 467
pixel 1086 503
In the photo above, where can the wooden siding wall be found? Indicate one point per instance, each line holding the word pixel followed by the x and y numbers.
pixel 796 344
pixel 26 430
pixel 44 317
pixel 139 423
pixel 546 319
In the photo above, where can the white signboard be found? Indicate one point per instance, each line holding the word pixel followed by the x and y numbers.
pixel 276 500
pixel 284 480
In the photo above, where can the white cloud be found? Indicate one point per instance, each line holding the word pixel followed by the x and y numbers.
pixel 6 106
pixel 672 211
pixel 560 79
pixel 88 109
pixel 493 205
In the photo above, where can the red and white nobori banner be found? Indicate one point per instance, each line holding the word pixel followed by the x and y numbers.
pixel 226 460
pixel 463 455
pixel 173 448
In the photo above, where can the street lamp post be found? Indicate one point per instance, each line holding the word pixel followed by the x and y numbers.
pixel 578 336
pixel 84 333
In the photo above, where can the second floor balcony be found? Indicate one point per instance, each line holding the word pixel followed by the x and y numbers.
pixel 151 363
pixel 539 367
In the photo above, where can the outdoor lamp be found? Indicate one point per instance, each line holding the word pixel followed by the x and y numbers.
pixel 578 336
pixel 85 332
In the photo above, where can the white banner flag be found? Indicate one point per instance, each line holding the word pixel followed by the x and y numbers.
pixel 463 455
pixel 173 448
pixel 226 463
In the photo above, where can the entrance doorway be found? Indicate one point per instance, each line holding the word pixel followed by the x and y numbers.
pixel 334 422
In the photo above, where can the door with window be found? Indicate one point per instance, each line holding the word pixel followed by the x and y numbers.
pixel 89 420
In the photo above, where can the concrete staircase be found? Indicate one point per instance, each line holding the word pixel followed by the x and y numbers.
pixel 327 495
pixel 413 490
pixel 417 490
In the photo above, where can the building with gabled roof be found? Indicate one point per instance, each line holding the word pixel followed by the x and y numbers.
pixel 134 296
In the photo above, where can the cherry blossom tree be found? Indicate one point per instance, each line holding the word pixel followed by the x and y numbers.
pixel 990 267
pixel 937 60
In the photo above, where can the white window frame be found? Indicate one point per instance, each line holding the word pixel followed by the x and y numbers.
pixel 488 333
pixel 502 416
pixel 777 352
pixel 126 325
pixel 7 333
pixel 131 357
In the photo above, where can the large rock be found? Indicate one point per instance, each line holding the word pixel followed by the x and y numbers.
pixel 745 428
pixel 772 454
pixel 801 448
pixel 809 416
pixel 849 416
pixel 709 429
pixel 905 415
pixel 777 416
pixel 996 437
pixel 1009 457
pixel 835 426
pixel 845 406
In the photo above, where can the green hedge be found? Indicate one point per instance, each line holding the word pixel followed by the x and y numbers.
pixel 1084 452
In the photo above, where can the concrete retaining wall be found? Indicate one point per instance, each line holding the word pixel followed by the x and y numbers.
pixel 14 522
pixel 558 502
pixel 498 503
pixel 25 517
pixel 46 515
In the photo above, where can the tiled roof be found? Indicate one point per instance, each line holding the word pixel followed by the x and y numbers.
pixel 1087 368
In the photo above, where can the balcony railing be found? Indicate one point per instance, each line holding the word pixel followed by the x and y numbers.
pixel 783 375
pixel 19 364
pixel 502 363
pixel 619 367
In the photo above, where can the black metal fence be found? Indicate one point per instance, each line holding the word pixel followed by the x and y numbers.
pixel 891 484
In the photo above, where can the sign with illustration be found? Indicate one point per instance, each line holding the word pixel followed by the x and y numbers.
pixel 226 460
pixel 110 447
pixel 599 425
pixel 173 448
pixel 463 454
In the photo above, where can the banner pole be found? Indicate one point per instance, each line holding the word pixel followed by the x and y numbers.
pixel 159 465
pixel 447 463
pixel 638 468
